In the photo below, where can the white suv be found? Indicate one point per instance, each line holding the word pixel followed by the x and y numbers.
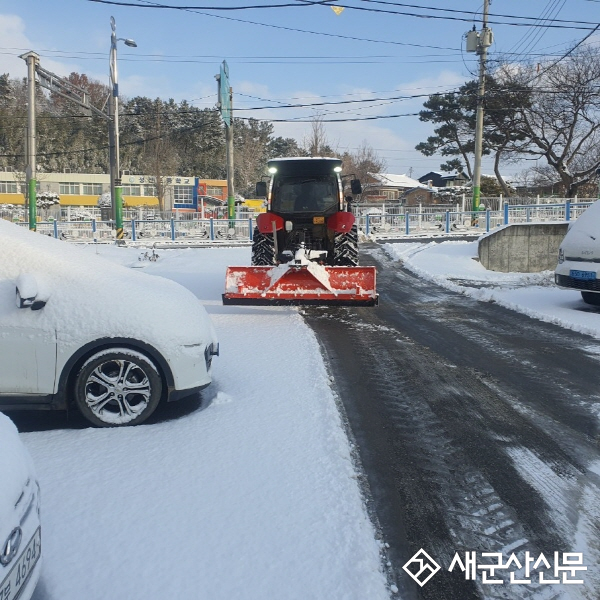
pixel 85 331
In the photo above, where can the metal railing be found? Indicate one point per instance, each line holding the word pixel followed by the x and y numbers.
pixel 448 221
pixel 137 230
pixel 374 225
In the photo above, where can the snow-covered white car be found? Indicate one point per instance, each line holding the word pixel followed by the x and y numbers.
pixel 579 256
pixel 20 532
pixel 111 340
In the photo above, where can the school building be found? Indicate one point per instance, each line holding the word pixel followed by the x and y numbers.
pixel 84 189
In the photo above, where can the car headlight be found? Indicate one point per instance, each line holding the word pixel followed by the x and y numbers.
pixel 561 256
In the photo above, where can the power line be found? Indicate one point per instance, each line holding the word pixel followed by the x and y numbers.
pixel 227 8
pixel 322 33
pixel 455 11
pixel 576 24
pixel 525 42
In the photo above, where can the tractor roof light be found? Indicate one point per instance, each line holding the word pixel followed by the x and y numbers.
pixel 272 170
pixel 337 169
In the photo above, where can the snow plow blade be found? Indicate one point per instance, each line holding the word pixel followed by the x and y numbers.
pixel 300 285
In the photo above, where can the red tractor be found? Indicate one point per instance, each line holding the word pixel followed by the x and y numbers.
pixel 309 234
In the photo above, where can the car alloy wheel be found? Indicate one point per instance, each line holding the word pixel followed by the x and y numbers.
pixel 117 386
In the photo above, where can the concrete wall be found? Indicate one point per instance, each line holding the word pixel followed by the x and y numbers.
pixel 523 247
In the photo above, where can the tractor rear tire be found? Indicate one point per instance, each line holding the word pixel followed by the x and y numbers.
pixel 263 249
pixel 345 249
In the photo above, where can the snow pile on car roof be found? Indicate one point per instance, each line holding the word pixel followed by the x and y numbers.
pixel 94 296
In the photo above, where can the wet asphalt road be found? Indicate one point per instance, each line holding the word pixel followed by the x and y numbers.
pixel 477 429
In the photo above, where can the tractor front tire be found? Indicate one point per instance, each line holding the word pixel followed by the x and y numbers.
pixel 345 249
pixel 263 249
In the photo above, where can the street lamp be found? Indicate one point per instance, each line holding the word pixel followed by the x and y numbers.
pixel 116 190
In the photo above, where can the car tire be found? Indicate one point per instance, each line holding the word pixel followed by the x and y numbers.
pixel 592 298
pixel 116 387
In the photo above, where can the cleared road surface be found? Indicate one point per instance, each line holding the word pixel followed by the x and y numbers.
pixel 477 429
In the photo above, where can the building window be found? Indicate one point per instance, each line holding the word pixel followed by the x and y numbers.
pixel 92 189
pixel 132 190
pixel 8 187
pixel 183 194
pixel 389 194
pixel 69 189
pixel 214 191
pixel 150 190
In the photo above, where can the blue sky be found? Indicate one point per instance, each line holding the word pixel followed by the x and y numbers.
pixel 273 59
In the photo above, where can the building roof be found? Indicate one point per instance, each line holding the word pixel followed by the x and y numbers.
pixel 400 181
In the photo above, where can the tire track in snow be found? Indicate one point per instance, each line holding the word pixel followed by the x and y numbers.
pixel 443 431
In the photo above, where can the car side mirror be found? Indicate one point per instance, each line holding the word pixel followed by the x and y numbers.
pixel 29 293
pixel 261 189
pixel 355 186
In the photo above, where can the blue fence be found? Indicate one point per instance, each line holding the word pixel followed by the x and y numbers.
pixel 449 222
pixel 215 231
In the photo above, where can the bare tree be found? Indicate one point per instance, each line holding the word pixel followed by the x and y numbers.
pixel 562 123
pixel 317 143
pixel 361 163
pixel 159 156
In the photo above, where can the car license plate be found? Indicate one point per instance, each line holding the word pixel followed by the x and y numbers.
pixel 11 587
pixel 582 274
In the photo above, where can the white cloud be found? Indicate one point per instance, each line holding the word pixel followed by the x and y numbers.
pixel 16 42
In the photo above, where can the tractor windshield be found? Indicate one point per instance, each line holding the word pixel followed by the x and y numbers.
pixel 294 194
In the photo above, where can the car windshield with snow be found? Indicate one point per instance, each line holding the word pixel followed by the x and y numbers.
pixel 84 331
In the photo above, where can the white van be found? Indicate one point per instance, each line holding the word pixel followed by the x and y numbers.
pixel 579 256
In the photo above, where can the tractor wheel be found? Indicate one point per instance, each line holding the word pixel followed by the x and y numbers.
pixel 263 249
pixel 345 249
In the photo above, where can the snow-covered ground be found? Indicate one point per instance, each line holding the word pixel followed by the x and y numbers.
pixel 454 265
pixel 256 496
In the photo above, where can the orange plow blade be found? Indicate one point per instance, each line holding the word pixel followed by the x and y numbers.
pixel 301 285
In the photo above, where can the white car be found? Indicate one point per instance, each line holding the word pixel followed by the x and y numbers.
pixel 20 532
pixel 111 340
pixel 579 256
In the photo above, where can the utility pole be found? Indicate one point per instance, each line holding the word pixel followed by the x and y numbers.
pixel 63 87
pixel 32 60
pixel 116 189
pixel 479 42
pixel 230 190
pixel 113 109
pixel 225 100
